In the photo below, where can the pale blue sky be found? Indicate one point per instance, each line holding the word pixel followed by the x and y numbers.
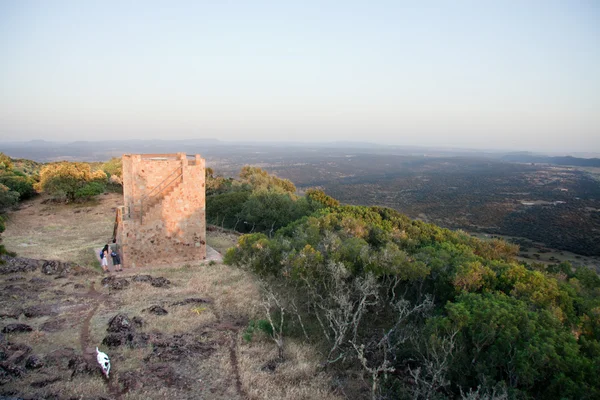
pixel 482 74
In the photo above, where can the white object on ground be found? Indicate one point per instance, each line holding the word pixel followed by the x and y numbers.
pixel 103 361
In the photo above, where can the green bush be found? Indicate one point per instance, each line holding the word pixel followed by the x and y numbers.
pixel 90 190
pixel 19 183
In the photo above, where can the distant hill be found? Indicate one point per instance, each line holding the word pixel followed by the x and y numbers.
pixel 566 160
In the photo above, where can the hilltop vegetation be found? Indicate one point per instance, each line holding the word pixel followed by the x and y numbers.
pixel 427 312
pixel 416 310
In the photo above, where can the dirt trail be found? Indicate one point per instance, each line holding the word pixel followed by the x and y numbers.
pixel 87 348
pixel 233 359
pixel 234 365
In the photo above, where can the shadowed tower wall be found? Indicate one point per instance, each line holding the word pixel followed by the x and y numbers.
pixel 163 217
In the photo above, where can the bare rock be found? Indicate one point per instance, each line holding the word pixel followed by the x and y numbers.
pixel 54 267
pixel 10 313
pixel 192 300
pixel 60 357
pixel 138 321
pixel 130 380
pixel 160 282
pixel 8 370
pixel 39 281
pixel 14 353
pixel 14 328
pixel 18 264
pixel 167 374
pixel 45 382
pixel 117 339
pixel 79 365
pixel 156 310
pixel 142 278
pixel 120 323
pixel 115 283
pixel 53 325
pixel 180 347
pixel 34 362
pixel 39 310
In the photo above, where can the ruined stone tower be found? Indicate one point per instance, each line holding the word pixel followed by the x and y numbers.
pixel 163 217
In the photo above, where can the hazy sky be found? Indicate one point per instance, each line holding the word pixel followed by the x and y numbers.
pixel 482 74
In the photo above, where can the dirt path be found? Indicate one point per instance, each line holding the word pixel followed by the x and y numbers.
pixel 87 348
pixel 235 365
pixel 233 358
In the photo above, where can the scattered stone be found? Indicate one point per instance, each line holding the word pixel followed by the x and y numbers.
pixel 80 365
pixel 142 278
pixel 39 310
pixel 119 323
pixel 156 310
pixel 115 283
pixel 45 382
pixel 18 264
pixel 78 286
pixel 117 339
pixel 130 381
pixel 18 356
pixel 137 321
pixel 270 366
pixel 11 313
pixel 34 362
pixel 120 329
pixel 15 278
pixel 180 347
pixel 60 357
pixel 13 289
pixel 192 300
pixel 14 353
pixel 167 374
pixel 156 282
pixel 53 325
pixel 107 280
pixel 39 281
pixel 54 267
pixel 13 328
pixel 8 370
pixel 160 282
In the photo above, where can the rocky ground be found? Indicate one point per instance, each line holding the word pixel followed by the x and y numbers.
pixel 170 332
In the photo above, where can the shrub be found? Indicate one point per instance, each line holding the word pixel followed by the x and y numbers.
pixel 90 190
pixel 65 179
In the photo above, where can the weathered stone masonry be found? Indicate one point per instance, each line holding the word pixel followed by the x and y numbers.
pixel 163 217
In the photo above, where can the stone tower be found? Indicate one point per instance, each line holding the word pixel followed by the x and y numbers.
pixel 163 217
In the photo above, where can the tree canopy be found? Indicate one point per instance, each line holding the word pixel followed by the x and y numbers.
pixel 449 313
pixel 71 180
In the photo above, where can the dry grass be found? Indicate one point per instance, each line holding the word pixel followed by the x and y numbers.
pixel 66 232
pixel 220 241
pixel 297 378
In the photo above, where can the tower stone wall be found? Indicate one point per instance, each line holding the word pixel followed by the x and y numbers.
pixel 163 219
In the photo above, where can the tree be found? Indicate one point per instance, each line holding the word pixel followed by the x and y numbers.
pixel 67 179
pixel 5 163
pixel 260 179
pixel 15 181
pixel 8 198
pixel 114 170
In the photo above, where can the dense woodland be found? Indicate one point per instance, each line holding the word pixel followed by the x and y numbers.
pixel 420 311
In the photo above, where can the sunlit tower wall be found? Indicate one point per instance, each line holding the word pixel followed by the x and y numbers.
pixel 163 219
